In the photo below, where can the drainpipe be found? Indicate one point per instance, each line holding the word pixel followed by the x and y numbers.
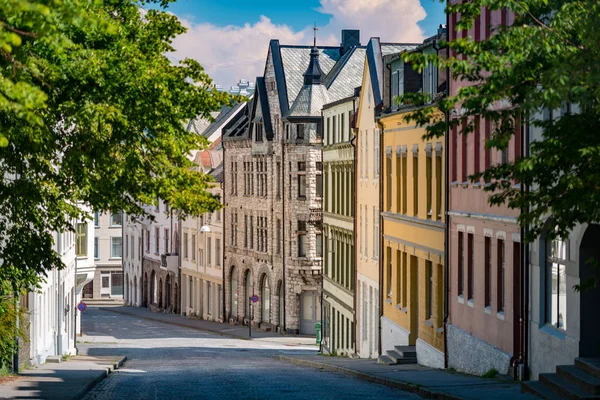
pixel 380 258
pixel 223 237
pixel 355 203
pixel 75 309
pixel 59 312
pixel 446 216
pixel 282 323
pixel 525 303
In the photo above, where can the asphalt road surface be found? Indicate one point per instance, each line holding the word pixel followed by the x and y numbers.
pixel 170 362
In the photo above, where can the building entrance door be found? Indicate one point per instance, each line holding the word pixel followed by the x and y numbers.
pixel 589 255
pixel 310 311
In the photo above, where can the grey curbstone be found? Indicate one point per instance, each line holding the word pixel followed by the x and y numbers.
pixel 420 390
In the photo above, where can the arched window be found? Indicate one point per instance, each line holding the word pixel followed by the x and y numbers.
pixel 249 292
pixel 234 293
pixel 265 300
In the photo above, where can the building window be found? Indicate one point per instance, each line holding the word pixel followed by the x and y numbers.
pixel 556 283
pixel 388 256
pixel 208 251
pixel 193 247
pixel 81 242
pixel 278 237
pixel 403 194
pixel 438 184
pixel 415 186
pixel 429 184
pixel 319 244
pixel 156 240
pixel 429 272
pixel 278 179
pixel 319 188
pixel 488 271
pixel 251 232
pixel 218 252
pixel 259 132
pixel 501 275
pixel 388 184
pixel 147 240
pixel 300 132
pixel 167 249
pixel 96 249
pixel 471 261
pixel 116 219
pixel 461 264
pixel 301 245
pixel 96 218
pixel 126 246
pixel 301 186
pixel 185 245
pixel 116 247
pixel 376 132
pixel 375 233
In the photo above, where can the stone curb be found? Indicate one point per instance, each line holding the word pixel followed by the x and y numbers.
pixel 409 387
pixel 149 318
pixel 85 390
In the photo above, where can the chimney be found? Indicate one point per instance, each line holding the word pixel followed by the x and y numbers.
pixel 442 29
pixel 350 39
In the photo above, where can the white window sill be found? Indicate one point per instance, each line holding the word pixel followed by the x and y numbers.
pixel 470 303
pixel 500 315
pixel 461 299
pixel 488 310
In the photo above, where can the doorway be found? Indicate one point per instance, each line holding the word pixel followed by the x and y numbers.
pixel 589 345
pixel 310 311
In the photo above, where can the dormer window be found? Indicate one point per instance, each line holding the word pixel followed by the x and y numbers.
pixel 258 129
pixel 300 132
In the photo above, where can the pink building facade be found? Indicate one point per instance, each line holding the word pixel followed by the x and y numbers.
pixel 483 328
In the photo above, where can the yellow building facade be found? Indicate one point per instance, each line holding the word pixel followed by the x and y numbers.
pixel 413 239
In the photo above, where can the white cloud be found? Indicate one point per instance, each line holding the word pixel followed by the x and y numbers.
pixel 232 52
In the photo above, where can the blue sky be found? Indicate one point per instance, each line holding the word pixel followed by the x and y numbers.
pixel 296 14
pixel 230 37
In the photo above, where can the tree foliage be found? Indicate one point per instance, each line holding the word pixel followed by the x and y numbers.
pixel 92 112
pixel 548 59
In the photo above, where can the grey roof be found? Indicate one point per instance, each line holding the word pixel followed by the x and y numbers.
pixel 204 127
pixel 217 173
pixel 349 77
pixel 295 62
pixel 391 48
pixel 309 101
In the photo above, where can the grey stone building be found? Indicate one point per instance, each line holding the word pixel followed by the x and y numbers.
pixel 273 191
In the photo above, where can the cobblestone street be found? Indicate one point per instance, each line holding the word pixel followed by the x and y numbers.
pixel 167 361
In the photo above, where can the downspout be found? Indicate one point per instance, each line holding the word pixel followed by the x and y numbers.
pixel 447 206
pixel 59 312
pixel 379 239
pixel 282 323
pixel 224 238
pixel 355 203
pixel 525 313
pixel 75 309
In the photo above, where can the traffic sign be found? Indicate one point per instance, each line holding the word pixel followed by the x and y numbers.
pixel 81 306
pixel 254 298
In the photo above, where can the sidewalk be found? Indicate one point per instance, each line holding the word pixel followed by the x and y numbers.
pixel 427 382
pixel 234 331
pixel 70 379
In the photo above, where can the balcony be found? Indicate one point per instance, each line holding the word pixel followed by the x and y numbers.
pixel 170 261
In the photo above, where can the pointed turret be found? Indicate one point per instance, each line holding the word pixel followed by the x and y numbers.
pixel 314 73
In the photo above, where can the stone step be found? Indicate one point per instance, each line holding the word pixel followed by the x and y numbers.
pixel 383 359
pixel 539 389
pixel 401 359
pixel 580 378
pixel 565 388
pixel 406 351
pixel 54 359
pixel 589 365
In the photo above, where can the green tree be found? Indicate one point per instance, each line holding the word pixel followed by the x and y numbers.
pixel 92 112
pixel 548 59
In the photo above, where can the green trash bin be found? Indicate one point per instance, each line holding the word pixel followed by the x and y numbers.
pixel 318 332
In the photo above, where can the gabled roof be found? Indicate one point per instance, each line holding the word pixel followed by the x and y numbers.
pixel 237 127
pixel 309 102
pixel 264 106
